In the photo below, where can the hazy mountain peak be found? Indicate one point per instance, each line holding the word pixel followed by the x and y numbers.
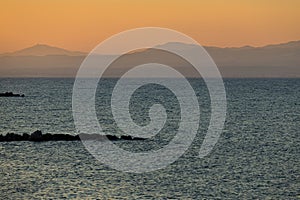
pixel 291 44
pixel 44 50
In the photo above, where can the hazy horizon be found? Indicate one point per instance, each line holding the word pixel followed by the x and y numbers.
pixel 86 52
pixel 271 61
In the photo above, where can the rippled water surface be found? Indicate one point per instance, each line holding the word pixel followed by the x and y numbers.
pixel 257 155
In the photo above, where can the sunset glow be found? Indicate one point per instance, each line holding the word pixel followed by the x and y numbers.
pixel 82 24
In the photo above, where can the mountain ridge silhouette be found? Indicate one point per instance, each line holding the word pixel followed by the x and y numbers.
pixel 275 60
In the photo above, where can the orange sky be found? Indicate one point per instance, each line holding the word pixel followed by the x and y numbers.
pixel 82 24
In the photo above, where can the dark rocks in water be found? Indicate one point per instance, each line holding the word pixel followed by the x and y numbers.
pixel 25 136
pixel 60 137
pixel 13 137
pixel 10 94
pixel 128 137
pixel 84 136
pixel 37 136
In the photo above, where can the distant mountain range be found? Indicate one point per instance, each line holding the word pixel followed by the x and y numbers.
pixel 43 50
pixel 279 60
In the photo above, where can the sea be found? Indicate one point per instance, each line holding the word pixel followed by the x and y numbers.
pixel 256 156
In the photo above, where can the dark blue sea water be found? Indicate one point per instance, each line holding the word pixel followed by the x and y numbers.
pixel 256 157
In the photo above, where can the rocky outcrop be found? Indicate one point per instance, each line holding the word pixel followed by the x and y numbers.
pixel 38 136
pixel 10 94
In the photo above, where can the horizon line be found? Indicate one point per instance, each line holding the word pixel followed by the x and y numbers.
pixel 209 46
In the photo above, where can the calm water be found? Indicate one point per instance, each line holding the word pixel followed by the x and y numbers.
pixel 257 155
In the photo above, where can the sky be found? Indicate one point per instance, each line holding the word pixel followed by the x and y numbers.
pixel 82 24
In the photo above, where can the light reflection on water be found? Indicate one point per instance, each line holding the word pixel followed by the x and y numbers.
pixel 257 155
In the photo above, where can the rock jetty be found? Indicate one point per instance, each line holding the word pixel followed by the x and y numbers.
pixel 38 136
pixel 10 94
